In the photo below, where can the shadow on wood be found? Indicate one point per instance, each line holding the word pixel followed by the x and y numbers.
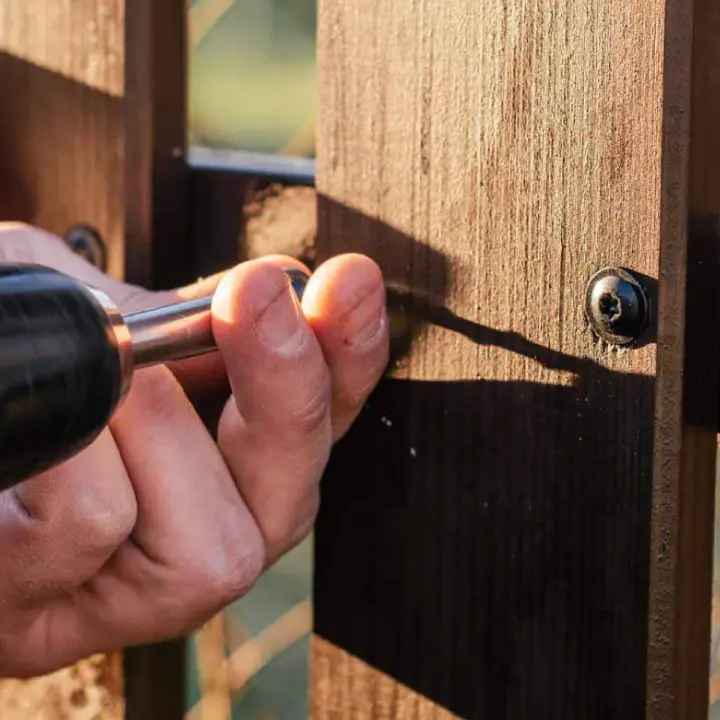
pixel 61 153
pixel 487 543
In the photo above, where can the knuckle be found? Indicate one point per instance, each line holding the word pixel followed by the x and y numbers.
pixel 7 227
pixel 232 573
pixel 243 572
pixel 105 515
pixel 352 396
pixel 230 427
pixel 311 413
pixel 99 513
pixel 351 400
pixel 207 580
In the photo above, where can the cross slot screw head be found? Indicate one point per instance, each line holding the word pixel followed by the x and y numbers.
pixel 617 306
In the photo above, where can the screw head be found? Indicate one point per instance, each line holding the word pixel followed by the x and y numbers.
pixel 617 306
pixel 87 242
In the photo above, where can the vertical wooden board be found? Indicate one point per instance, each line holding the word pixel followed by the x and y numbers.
pixel 339 678
pixel 158 248
pixel 61 162
pixel 485 535
pixel 61 134
pixel 90 690
pixel 688 362
pixel 706 189
pixel 158 254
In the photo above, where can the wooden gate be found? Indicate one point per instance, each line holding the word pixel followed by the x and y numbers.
pixel 520 524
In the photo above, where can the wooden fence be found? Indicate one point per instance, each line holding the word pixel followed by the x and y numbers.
pixel 521 523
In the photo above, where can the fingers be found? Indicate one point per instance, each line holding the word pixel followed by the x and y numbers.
pixel 195 546
pixel 204 378
pixel 345 305
pixel 275 433
pixel 57 530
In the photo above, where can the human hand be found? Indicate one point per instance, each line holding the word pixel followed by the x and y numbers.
pixel 156 526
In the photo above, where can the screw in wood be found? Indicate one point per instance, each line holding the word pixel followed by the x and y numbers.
pixel 617 306
pixel 86 241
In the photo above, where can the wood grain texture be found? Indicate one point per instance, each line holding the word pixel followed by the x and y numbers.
pixel 90 690
pixel 688 361
pixel 158 254
pixel 61 78
pixel 155 681
pixel 485 534
pixel 157 235
pixel 338 678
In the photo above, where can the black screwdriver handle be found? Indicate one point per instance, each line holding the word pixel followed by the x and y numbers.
pixel 60 373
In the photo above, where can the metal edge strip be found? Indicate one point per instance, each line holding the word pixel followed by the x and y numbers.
pixel 298 170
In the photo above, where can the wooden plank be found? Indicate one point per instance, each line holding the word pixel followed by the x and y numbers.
pixel 339 673
pixel 688 360
pixel 91 689
pixel 216 218
pixel 159 252
pixel 485 533
pixel 155 681
pixel 61 79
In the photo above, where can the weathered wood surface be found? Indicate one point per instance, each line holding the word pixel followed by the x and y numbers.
pixel 61 162
pixel 90 690
pixel 485 534
pixel 158 249
pixel 688 362
pixel 61 134
pixel 339 677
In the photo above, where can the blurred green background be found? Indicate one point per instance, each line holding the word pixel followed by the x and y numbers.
pixel 252 87
pixel 252 75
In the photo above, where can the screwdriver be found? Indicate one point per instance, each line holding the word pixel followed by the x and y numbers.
pixel 67 359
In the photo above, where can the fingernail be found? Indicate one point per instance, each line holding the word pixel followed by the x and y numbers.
pixel 365 321
pixel 280 324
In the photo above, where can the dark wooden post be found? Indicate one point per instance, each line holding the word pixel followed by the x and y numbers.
pixel 158 253
pixel 520 524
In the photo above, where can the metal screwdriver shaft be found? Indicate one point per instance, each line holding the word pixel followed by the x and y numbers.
pixel 173 332
pixel 180 330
